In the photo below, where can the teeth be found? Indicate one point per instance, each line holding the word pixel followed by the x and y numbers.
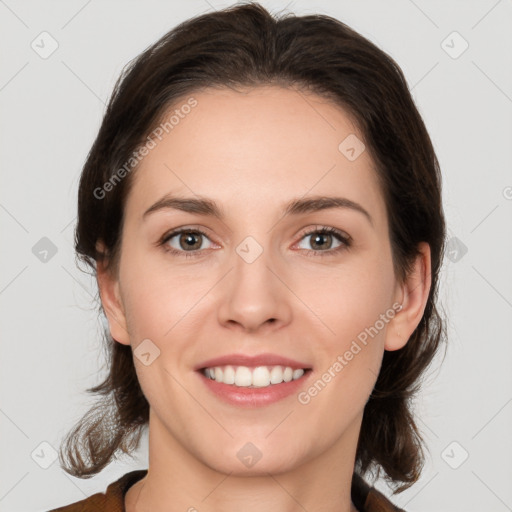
pixel 259 377
pixel 243 376
pixel 229 375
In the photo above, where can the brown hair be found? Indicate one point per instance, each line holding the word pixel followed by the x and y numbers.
pixel 245 45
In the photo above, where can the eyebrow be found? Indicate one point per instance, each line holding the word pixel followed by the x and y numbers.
pixel 207 207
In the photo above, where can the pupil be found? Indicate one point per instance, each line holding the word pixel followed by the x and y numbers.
pixel 189 241
pixel 320 236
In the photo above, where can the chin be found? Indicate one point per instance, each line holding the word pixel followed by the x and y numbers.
pixel 255 459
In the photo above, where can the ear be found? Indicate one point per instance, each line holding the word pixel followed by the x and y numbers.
pixel 108 285
pixel 413 295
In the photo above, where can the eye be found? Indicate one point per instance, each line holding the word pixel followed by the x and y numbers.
pixel 185 240
pixel 190 242
pixel 325 239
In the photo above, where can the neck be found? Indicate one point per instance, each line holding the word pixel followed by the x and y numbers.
pixel 179 481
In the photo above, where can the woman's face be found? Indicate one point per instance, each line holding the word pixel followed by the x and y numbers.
pixel 261 280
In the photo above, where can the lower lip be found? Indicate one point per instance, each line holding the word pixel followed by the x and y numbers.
pixel 254 397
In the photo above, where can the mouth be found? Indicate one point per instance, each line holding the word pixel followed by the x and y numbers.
pixel 253 377
pixel 253 380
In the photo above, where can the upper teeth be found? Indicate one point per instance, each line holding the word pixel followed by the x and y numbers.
pixel 259 377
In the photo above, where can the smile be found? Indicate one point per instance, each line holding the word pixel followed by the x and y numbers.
pixel 256 377
pixel 258 386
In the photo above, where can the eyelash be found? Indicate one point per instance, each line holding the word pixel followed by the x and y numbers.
pixel 346 241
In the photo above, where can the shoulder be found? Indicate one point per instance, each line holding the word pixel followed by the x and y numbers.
pixel 112 500
pixel 368 499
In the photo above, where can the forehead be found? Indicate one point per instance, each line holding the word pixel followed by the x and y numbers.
pixel 257 148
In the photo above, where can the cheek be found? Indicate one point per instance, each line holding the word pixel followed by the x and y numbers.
pixel 349 299
pixel 157 296
pixel 354 307
pixel 357 312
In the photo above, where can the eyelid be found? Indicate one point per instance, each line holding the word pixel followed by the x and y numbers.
pixel 186 227
pixel 326 229
pixel 344 238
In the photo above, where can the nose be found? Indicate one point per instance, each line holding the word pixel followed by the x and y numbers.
pixel 254 296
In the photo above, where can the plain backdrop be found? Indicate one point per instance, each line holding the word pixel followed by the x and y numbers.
pixel 457 58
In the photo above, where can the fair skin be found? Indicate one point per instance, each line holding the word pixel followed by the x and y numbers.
pixel 251 153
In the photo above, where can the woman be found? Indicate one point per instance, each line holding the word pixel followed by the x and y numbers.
pixel 262 211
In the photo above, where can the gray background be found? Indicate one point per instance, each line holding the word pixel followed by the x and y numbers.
pixel 51 109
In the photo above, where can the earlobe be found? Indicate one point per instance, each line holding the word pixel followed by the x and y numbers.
pixel 414 293
pixel 108 286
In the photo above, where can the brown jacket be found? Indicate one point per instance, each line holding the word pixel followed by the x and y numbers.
pixel 364 497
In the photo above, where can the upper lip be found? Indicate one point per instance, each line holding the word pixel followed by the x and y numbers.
pixel 257 360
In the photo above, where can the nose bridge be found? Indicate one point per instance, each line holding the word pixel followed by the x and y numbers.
pixel 251 265
pixel 254 295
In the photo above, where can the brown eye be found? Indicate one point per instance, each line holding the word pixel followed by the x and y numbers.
pixel 324 239
pixel 321 241
pixel 190 240
pixel 186 241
